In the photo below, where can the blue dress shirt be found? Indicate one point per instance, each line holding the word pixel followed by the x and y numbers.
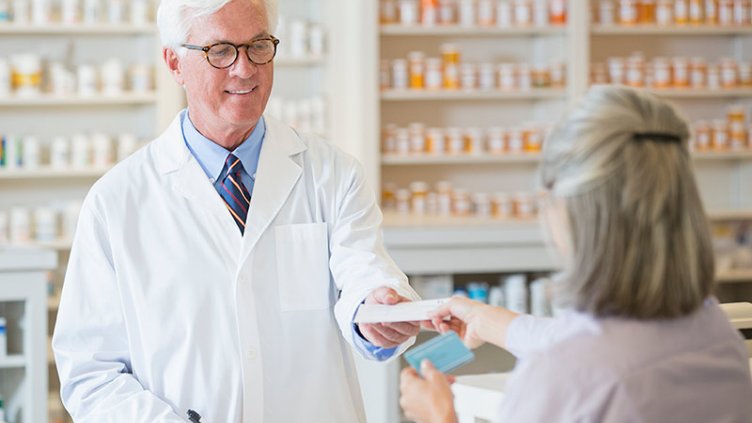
pixel 211 156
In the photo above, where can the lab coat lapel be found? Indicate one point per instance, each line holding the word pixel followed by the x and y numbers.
pixel 188 180
pixel 276 177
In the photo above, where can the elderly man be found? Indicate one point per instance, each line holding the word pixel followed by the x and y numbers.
pixel 216 272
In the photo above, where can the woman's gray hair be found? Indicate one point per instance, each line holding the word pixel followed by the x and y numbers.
pixel 175 17
pixel 640 241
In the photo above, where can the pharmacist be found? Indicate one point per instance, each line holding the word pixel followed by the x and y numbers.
pixel 219 268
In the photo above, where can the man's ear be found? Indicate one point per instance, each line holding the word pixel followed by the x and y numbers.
pixel 172 60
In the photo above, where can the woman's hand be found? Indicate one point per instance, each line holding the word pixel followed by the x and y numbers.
pixel 476 323
pixel 428 399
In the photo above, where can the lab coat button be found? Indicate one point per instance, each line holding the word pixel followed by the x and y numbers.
pixel 251 354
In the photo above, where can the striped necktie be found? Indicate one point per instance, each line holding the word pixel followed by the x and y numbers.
pixel 233 192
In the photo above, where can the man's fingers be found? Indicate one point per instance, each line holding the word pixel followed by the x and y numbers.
pixel 390 334
pixel 372 333
pixel 405 328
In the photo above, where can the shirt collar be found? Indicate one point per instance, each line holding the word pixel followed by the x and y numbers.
pixel 211 156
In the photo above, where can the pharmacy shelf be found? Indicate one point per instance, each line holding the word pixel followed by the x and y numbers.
pixel 12 362
pixel 49 173
pixel 427 95
pixel 57 245
pixel 426 159
pixel 698 30
pixel 299 61
pixel 76 29
pixel 722 155
pixel 397 220
pixel 703 93
pixel 734 276
pixel 730 215
pixel 455 30
pixel 77 100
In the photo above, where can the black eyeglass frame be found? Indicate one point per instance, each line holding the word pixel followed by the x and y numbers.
pixel 205 49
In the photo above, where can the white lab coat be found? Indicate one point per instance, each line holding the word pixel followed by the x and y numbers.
pixel 166 307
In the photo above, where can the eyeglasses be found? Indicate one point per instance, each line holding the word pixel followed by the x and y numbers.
pixel 223 55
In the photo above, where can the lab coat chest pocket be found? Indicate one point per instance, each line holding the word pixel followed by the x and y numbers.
pixel 302 253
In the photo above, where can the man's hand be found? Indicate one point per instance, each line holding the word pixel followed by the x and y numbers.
pixel 388 335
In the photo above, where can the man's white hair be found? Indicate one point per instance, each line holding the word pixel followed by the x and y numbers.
pixel 175 17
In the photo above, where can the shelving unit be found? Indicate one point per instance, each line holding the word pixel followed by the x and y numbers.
pixel 124 99
pixel 684 30
pixel 401 30
pixel 78 29
pixel 49 173
pixel 425 95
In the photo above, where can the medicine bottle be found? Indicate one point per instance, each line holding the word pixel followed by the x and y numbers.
pixel 402 137
pixel 482 202
pixel 523 12
pixel 416 66
pixel 540 13
pixel 450 57
pixel 696 12
pixel 495 140
pixel 486 12
pixel 729 77
pixel 516 142
pixel 434 75
pixel 467 13
pixel 713 78
pixel 711 12
pixel 681 72
pixel 635 76
pixel 661 73
pixel 598 73
pixel 664 14
pixel 524 77
pixel 461 202
pixel 736 117
pixel 417 138
pixel 725 12
pixel 402 199
pixel 558 12
pixel 524 205
pixel 388 12
pixel 486 77
pixel 606 12
pixel 745 73
pixel 533 139
pixel 646 11
pixel 473 141
pixel 703 138
pixel 468 76
pixel 616 70
pixel 400 74
pixel 447 12
pixel 429 12
pixel 408 12
pixel 541 76
pixel 681 12
pixel 720 135
pixel 419 191
pixel 501 206
pixel 435 141
pixel 698 70
pixel 627 12
pixel 388 199
pixel 444 197
pixel 504 13
pixel 389 139
pixel 507 80
pixel 455 140
pixel 741 12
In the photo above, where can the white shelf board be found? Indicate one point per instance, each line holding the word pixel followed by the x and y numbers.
pixel 12 362
pixel 76 29
pixel 76 100
pixel 299 61
pixel 58 244
pixel 722 155
pixel 396 220
pixel 488 158
pixel 420 95
pixel 49 173
pixel 731 276
pixel 702 93
pixel 697 30
pixel 726 215
pixel 456 30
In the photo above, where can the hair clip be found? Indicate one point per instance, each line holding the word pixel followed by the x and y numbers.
pixel 657 137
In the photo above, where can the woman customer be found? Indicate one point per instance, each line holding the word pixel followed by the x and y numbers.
pixel 644 340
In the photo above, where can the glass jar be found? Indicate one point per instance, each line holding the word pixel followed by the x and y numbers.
pixel 416 60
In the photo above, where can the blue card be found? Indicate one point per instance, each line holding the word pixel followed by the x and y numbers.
pixel 446 352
